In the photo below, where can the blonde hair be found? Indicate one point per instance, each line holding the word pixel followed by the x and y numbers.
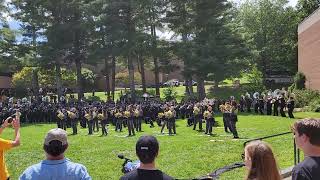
pixel 263 163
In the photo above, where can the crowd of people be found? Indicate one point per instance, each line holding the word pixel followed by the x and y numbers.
pixel 122 114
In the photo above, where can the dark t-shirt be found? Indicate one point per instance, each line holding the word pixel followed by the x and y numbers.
pixel 308 169
pixel 142 174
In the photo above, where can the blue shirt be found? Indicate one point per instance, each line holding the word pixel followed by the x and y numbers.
pixel 56 170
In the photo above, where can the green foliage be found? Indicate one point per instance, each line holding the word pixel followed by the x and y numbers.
pixel 269 28
pixel 255 79
pixel 314 105
pixel 88 79
pixel 299 80
pixel 169 94
pixel 305 97
pixel 22 79
pixel 93 98
pixel 122 78
pixel 306 7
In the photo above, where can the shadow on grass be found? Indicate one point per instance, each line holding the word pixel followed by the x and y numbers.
pixel 37 125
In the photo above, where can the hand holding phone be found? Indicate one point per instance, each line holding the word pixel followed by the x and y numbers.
pixel 9 120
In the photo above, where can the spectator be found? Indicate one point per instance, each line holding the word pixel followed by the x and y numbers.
pixel 56 166
pixel 307 138
pixel 147 149
pixel 260 162
pixel 7 144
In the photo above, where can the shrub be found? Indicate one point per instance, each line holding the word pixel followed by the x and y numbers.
pixel 169 94
pixel 305 97
pixel 299 80
pixel 93 98
pixel 314 105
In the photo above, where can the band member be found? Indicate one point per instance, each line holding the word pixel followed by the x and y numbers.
pixel 275 102
pixel 73 116
pixel 208 116
pixel 233 120
pixel 60 118
pixel 88 116
pixel 118 116
pixel 290 106
pixel 269 105
pixel 242 103
pixel 102 117
pixel 129 116
pixel 197 117
pixel 282 105
pixel 137 119
pixel 225 118
pixel 165 119
pixel 261 105
pixel 95 119
pixel 172 121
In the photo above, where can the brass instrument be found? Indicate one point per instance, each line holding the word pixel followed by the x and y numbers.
pixel 60 115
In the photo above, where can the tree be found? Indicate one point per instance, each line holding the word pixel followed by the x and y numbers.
pixel 306 7
pixel 180 16
pixel 217 50
pixel 7 39
pixel 269 27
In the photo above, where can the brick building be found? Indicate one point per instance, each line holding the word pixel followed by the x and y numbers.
pixel 5 80
pixel 309 49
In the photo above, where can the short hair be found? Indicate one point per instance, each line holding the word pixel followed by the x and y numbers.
pixel 147 149
pixel 310 127
pixel 55 148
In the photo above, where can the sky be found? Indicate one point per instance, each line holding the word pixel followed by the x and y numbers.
pixel 15 25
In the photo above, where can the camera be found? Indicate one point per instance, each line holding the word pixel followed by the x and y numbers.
pixel 128 165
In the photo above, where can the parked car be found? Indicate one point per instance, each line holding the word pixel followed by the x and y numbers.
pixel 194 83
pixel 172 82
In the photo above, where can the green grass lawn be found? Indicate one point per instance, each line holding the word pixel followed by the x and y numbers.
pixel 187 155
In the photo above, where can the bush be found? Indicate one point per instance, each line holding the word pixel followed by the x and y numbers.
pixel 255 81
pixel 192 97
pixel 122 78
pixel 93 98
pixel 299 80
pixel 169 94
pixel 305 97
pixel 314 105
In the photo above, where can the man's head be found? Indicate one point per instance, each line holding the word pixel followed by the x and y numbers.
pixel 147 149
pixel 307 131
pixel 55 142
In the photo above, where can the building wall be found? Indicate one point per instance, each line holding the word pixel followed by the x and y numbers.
pixel 309 50
pixel 5 82
pixel 149 75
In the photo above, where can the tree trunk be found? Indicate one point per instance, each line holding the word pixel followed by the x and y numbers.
pixel 58 80
pixel 113 80
pixel 35 82
pixel 131 76
pixel 216 84
pixel 106 63
pixel 190 86
pixel 200 88
pixel 155 61
pixel 143 77
pixel 79 79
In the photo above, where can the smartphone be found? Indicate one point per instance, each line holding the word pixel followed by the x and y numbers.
pixel 10 119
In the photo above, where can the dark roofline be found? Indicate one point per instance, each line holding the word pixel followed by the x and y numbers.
pixel 9 74
pixel 318 9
